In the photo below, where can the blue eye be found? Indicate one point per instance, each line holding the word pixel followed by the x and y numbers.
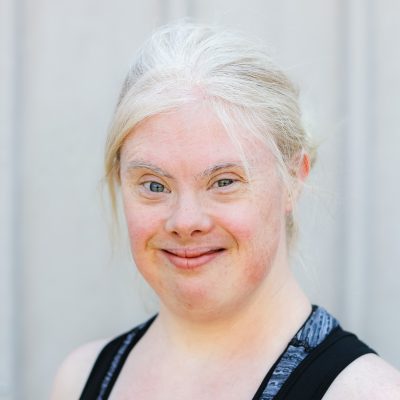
pixel 155 187
pixel 224 182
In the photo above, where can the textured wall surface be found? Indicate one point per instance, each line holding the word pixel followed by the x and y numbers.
pixel 61 283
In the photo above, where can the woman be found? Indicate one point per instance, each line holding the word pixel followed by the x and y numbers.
pixel 210 154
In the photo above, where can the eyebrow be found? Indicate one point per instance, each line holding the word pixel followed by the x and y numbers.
pixel 139 164
pixel 147 165
pixel 217 167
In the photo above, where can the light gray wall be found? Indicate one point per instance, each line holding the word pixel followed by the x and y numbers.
pixel 62 63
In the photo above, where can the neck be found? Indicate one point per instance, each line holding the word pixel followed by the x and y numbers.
pixel 270 320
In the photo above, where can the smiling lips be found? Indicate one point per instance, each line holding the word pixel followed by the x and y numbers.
pixel 193 258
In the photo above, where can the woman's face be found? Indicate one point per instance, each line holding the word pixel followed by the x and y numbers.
pixel 203 234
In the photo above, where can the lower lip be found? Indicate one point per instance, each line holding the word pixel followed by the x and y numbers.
pixel 191 263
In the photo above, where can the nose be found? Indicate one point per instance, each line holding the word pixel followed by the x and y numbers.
pixel 188 218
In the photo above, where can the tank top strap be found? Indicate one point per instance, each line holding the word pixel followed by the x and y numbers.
pixel 316 373
pixel 314 357
pixel 311 334
pixel 109 363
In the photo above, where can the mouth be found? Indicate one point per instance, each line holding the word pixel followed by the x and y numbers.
pixel 191 258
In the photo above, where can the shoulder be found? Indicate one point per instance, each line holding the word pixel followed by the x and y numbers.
pixel 74 371
pixel 368 378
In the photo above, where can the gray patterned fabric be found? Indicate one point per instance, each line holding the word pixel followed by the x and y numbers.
pixel 311 334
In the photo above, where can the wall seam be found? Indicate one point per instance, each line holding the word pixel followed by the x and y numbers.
pixel 357 151
pixel 17 196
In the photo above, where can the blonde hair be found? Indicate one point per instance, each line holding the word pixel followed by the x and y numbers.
pixel 235 76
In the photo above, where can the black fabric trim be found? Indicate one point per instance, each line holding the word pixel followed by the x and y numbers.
pixel 267 377
pixel 120 346
pixel 312 378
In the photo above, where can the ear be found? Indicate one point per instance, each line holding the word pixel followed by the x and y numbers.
pixel 303 167
pixel 299 172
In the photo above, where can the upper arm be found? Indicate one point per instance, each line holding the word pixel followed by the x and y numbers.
pixel 367 378
pixel 74 371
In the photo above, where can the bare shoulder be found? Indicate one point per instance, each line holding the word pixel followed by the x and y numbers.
pixel 368 378
pixel 74 371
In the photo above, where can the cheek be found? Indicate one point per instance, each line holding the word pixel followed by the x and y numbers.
pixel 141 225
pixel 239 222
pixel 259 230
pixel 259 221
pixel 259 260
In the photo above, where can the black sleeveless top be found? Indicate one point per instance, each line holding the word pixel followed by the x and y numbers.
pixel 318 352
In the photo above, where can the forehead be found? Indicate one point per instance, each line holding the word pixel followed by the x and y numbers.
pixel 193 135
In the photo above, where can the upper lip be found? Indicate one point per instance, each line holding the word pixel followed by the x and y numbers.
pixel 192 252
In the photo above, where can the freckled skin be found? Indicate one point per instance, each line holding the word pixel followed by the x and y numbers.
pixel 245 217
